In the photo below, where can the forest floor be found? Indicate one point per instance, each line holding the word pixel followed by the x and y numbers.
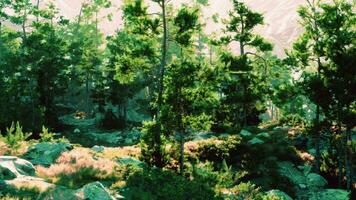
pixel 97 164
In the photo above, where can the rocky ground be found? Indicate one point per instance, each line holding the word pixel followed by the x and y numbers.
pixel 94 164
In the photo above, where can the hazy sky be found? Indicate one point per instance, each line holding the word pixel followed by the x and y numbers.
pixel 281 19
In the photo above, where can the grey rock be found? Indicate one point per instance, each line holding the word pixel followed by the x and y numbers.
pixel 98 149
pixel 315 181
pixel 327 194
pixel 46 153
pixel 255 140
pixel 245 133
pixel 94 191
pixel 263 135
pixel 12 167
pixel 130 161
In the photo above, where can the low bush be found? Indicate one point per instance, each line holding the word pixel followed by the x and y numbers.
pixel 78 167
pixel 155 184
pixel 14 136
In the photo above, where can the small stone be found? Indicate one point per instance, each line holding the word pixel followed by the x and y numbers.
pixel 98 149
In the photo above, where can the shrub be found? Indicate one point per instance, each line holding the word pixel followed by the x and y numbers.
pixel 14 136
pixel 244 191
pixel 153 150
pixel 79 167
pixel 223 178
pixel 46 136
pixel 155 184
pixel 217 150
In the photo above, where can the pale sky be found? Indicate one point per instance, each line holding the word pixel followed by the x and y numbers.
pixel 281 19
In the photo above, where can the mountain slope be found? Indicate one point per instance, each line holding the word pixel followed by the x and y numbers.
pixel 281 18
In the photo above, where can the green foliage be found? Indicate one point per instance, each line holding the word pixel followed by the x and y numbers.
pixel 157 184
pixel 242 85
pixel 80 177
pixel 153 148
pixel 246 191
pixel 217 151
pixel 221 178
pixel 15 135
pixel 187 23
pixel 46 136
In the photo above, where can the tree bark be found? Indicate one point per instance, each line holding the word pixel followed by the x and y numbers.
pixel 348 159
pixel 87 93
pixel 164 57
pixel 181 153
pixel 161 79
pixel 38 7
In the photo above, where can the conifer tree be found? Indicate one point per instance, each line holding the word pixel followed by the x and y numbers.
pixel 242 98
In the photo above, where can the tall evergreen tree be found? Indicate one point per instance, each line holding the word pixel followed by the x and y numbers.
pixel 241 96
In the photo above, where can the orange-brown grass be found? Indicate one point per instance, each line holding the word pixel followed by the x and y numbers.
pixel 120 152
pixel 78 167
pixel 3 149
pixel 191 148
pixel 6 150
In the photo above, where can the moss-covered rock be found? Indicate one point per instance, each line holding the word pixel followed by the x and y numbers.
pixel 12 167
pixel 46 153
pixel 315 181
pixel 94 191
pixel 328 194
pixel 130 161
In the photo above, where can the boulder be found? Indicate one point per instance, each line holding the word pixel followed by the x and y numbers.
pixel 128 141
pixel 130 161
pixel 263 135
pixel 277 194
pixel 334 194
pixel 29 182
pixel 12 167
pixel 59 192
pixel 288 170
pixel 255 141
pixel 46 153
pixel 94 191
pixel 245 133
pixel 315 181
pixel 91 191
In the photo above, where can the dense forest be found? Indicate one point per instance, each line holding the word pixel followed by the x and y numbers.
pixel 161 110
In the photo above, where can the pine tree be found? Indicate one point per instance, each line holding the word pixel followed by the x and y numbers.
pixel 241 96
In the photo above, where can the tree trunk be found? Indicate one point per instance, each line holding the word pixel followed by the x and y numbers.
pixel 164 57
pixel 317 124
pixel 38 7
pixel 161 79
pixel 340 158
pixel 87 93
pixel 0 32
pixel 125 115
pixel 348 160
pixel 181 153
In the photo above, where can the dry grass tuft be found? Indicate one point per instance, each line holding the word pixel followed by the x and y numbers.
pixel 78 167
pixel 120 152
pixel 6 150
